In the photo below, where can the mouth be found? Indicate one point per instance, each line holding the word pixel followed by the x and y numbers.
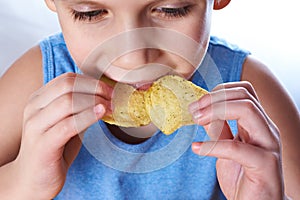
pixel 142 86
pixel 139 75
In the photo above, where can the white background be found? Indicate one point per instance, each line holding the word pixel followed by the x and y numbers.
pixel 268 28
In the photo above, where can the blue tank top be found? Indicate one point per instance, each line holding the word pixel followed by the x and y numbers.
pixel 163 167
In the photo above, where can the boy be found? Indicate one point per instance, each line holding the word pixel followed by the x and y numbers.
pixel 43 141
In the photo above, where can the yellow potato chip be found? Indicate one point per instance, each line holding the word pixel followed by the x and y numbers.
pixel 129 108
pixel 165 104
pixel 172 101
pixel 120 105
pixel 163 108
pixel 137 108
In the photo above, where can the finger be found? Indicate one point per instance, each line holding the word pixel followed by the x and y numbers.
pixel 218 130
pixel 248 116
pixel 235 93
pixel 62 132
pixel 67 83
pixel 260 167
pixel 245 154
pixel 63 107
pixel 240 89
pixel 241 84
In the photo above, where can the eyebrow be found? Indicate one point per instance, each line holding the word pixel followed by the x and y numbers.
pixel 103 3
pixel 90 2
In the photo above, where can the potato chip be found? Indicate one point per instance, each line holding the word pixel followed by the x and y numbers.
pixel 163 108
pixel 128 104
pixel 137 108
pixel 174 96
pixel 120 106
pixel 165 104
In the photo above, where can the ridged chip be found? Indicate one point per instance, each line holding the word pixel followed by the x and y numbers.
pixel 165 104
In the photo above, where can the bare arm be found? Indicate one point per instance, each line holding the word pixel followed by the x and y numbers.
pixel 279 106
pixel 37 116
pixel 16 85
pixel 20 81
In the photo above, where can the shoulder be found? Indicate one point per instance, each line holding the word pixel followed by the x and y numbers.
pixel 265 83
pixel 22 79
pixel 272 95
pixel 27 69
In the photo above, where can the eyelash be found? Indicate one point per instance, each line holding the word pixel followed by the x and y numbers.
pixel 89 16
pixel 168 13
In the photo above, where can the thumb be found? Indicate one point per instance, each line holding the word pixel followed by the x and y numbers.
pixel 218 130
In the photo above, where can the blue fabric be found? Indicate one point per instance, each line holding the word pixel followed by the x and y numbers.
pixel 163 167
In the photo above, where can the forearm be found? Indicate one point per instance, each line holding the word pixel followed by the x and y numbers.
pixel 291 176
pixel 9 186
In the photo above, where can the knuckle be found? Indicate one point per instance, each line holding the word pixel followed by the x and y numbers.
pixel 68 128
pixel 27 111
pixel 247 85
pixel 29 125
pixel 275 142
pixel 249 105
pixel 220 86
pixel 30 106
pixel 68 75
pixel 64 128
pixel 242 92
pixel 30 110
pixel 66 84
pixel 66 102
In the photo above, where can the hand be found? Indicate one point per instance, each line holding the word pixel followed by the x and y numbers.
pixel 248 165
pixel 53 118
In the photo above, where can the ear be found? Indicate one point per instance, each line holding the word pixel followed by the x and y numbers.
pixel 219 4
pixel 51 5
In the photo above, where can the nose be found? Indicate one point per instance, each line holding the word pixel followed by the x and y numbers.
pixel 136 52
pixel 133 59
pixel 136 46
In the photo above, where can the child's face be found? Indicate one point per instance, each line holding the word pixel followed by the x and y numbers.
pixel 86 24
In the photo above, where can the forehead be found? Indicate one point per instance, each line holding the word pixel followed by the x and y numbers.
pixel 136 2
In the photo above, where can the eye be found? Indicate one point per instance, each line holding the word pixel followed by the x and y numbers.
pixel 169 13
pixel 89 16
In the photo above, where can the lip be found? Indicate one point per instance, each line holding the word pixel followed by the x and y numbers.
pixel 145 85
pixel 144 74
pixel 142 86
pixel 141 78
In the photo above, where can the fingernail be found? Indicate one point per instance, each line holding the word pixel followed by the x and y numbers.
pixel 193 107
pixel 197 115
pixel 196 147
pixel 99 109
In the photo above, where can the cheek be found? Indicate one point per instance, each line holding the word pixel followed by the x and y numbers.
pixel 181 66
pixel 79 47
pixel 80 39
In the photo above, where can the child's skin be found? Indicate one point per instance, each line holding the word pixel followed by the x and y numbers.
pixel 39 139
